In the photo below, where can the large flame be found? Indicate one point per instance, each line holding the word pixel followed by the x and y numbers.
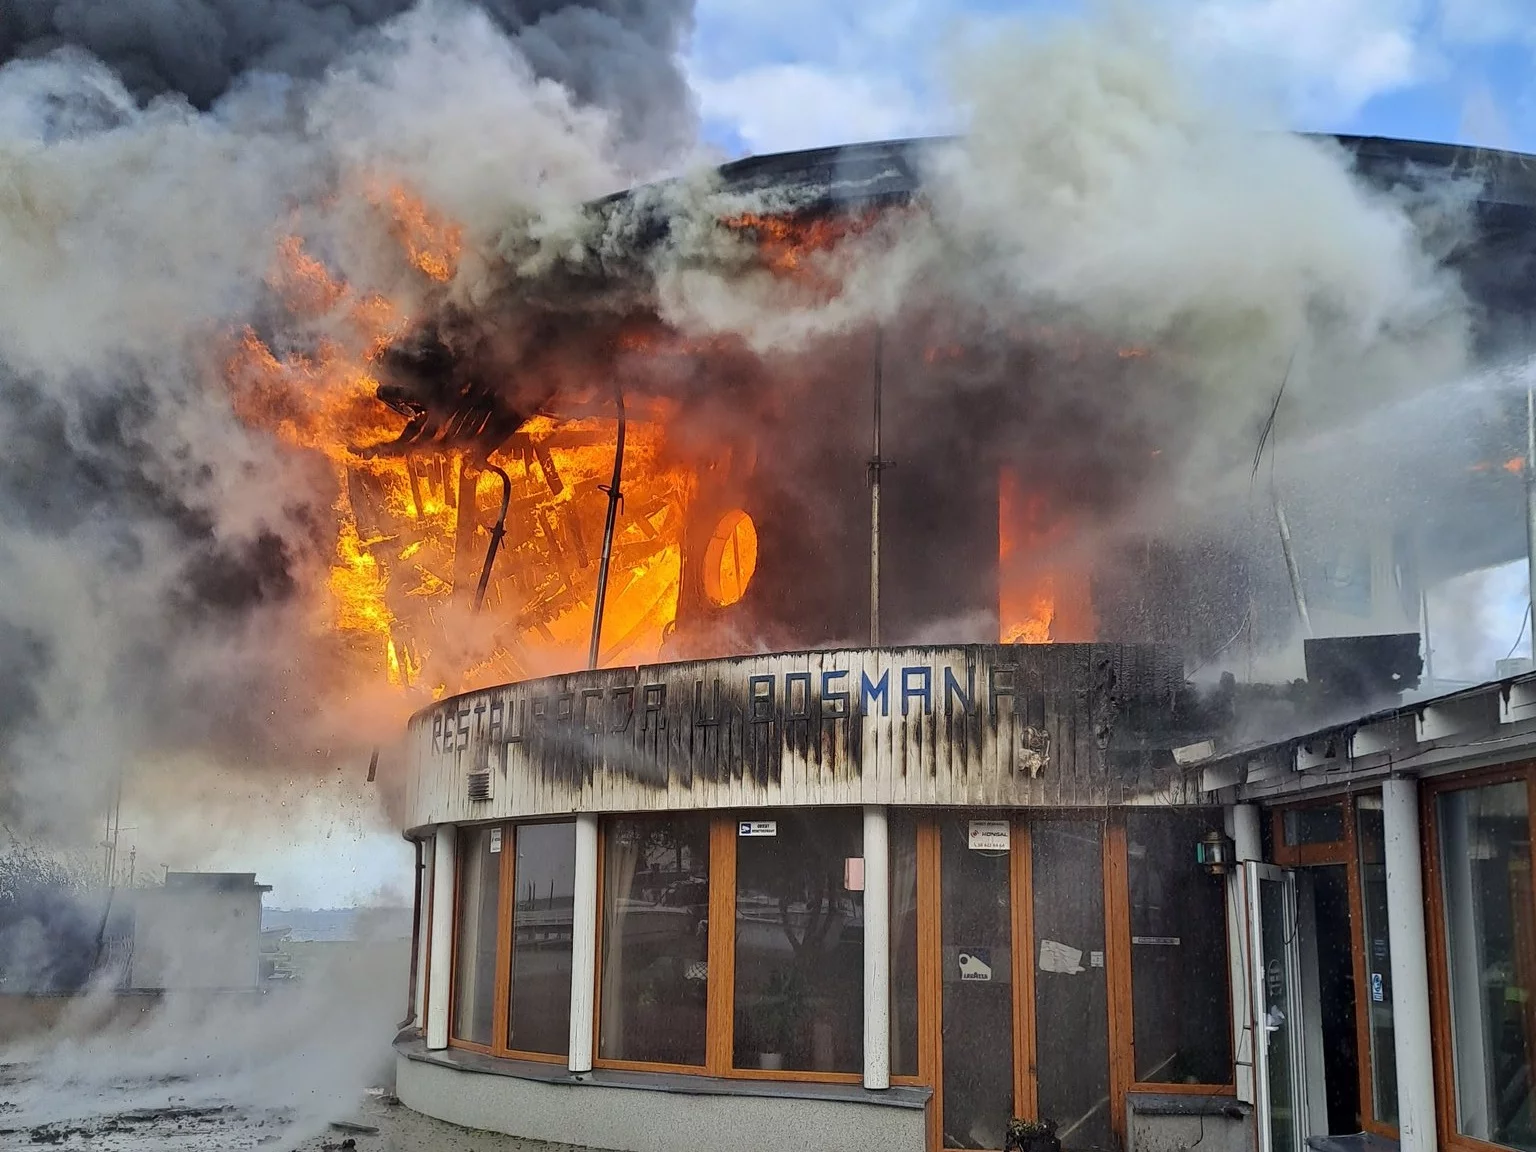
pixel 412 532
pixel 1041 598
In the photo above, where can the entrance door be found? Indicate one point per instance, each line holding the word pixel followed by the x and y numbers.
pixel 976 931
pixel 1276 981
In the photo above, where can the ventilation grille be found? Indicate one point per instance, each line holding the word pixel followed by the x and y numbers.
pixel 479 786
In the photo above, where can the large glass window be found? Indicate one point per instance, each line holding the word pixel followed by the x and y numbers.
pixel 1180 999
pixel 1371 840
pixel 474 961
pixel 544 879
pixel 903 847
pixel 799 999
pixel 1071 994
pixel 1485 859
pixel 976 932
pixel 655 940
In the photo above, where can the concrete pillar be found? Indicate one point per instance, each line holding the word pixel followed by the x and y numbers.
pixel 1410 966
pixel 440 953
pixel 1242 823
pixel 583 944
pixel 877 949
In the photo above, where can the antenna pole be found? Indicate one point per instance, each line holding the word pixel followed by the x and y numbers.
pixel 1530 504
pixel 615 498
pixel 876 465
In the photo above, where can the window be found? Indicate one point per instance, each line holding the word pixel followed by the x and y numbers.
pixel 1071 993
pixel 655 940
pixel 544 880
pixel 1321 824
pixel 1490 930
pixel 976 945
pixel 1180 996
pixel 1378 957
pixel 474 968
pixel 799 999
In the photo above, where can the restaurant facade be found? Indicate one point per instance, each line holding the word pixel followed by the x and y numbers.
pixel 886 898
pixel 899 898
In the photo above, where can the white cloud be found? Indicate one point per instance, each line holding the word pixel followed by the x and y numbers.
pixel 785 107
pixel 1485 21
pixel 1326 58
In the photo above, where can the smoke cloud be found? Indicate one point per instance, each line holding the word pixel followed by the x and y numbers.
pixel 168 566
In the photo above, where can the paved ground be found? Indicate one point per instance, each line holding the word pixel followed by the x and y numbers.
pixel 378 1123
pixel 275 1073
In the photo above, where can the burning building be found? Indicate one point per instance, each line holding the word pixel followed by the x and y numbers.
pixel 884 811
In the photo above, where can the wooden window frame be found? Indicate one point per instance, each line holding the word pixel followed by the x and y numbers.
pixel 1119 956
pixel 720 1013
pixel 1442 1050
pixel 1346 853
pixel 505 900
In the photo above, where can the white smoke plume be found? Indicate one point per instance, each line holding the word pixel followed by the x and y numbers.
pixel 167 565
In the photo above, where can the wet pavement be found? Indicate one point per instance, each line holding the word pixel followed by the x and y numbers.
pixel 304 1068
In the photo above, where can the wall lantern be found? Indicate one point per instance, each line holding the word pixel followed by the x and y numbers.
pixel 1215 853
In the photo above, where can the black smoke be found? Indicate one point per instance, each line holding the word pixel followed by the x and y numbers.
pixel 620 55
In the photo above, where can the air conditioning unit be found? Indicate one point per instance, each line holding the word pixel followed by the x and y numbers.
pixel 1519 666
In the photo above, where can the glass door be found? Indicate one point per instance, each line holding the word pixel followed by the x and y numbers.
pixel 1276 978
pixel 976 1020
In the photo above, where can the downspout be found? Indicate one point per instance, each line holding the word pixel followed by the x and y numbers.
pixel 410 1000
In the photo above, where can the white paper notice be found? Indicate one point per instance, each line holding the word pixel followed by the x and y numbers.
pixel 1056 957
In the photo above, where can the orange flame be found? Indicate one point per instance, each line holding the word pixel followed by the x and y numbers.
pixel 412 533
pixel 1040 598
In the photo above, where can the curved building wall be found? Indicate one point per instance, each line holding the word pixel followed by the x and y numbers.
pixel 978 725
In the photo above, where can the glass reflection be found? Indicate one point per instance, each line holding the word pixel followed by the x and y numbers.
pixel 655 940
pixel 539 1014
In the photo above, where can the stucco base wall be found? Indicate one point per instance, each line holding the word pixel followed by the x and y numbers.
pixel 638 1119
pixel 1175 1124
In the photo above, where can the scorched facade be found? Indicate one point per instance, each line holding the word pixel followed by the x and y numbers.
pixel 900 895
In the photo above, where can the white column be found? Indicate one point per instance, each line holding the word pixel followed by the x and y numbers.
pixel 583 944
pixel 440 955
pixel 877 949
pixel 1243 826
pixel 1410 966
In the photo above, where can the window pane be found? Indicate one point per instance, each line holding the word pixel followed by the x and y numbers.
pixel 976 929
pixel 903 843
pixel 655 940
pixel 1180 995
pixel 474 968
pixel 799 996
pixel 545 886
pixel 1317 825
pixel 1071 996
pixel 1378 958
pixel 1486 862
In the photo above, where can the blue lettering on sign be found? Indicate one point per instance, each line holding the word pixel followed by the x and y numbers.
pixel 1378 988
pixel 877 691
pixel 641 710
pixel 917 683
pixel 829 697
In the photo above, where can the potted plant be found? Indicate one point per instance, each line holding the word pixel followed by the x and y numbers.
pixel 1031 1136
pixel 778 1012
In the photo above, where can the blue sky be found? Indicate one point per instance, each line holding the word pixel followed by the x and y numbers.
pixel 774 75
